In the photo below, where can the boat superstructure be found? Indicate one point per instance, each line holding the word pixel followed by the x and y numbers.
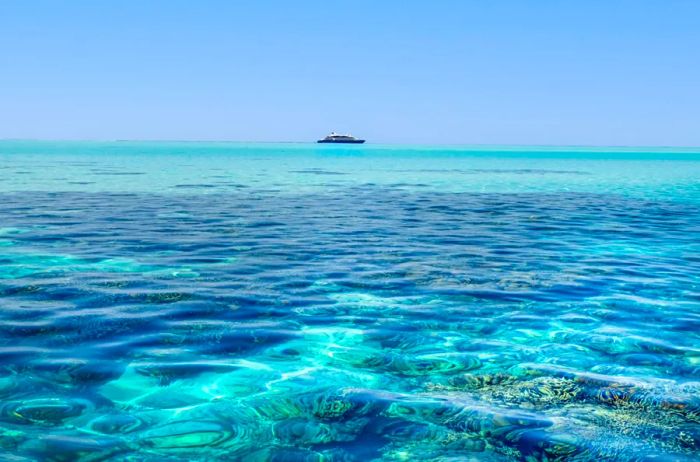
pixel 338 138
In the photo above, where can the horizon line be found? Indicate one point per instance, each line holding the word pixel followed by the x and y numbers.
pixel 369 143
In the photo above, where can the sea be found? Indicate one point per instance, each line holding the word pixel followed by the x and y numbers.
pixel 184 301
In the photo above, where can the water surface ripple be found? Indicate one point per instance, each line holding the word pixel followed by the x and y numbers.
pixel 365 322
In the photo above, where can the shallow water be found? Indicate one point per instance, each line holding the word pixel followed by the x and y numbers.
pixel 185 301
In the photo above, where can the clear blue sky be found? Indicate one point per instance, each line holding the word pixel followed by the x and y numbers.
pixel 592 72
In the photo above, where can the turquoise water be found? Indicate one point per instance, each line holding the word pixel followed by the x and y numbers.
pixel 204 301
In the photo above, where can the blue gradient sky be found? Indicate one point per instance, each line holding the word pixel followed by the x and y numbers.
pixel 587 72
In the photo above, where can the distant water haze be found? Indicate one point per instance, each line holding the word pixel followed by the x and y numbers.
pixel 163 167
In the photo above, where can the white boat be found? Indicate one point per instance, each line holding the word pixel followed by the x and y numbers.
pixel 337 138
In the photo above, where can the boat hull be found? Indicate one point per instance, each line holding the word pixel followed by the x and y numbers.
pixel 341 141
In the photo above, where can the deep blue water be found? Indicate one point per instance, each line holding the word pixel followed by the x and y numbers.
pixel 165 301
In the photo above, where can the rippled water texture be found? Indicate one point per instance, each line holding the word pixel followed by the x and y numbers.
pixel 282 302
